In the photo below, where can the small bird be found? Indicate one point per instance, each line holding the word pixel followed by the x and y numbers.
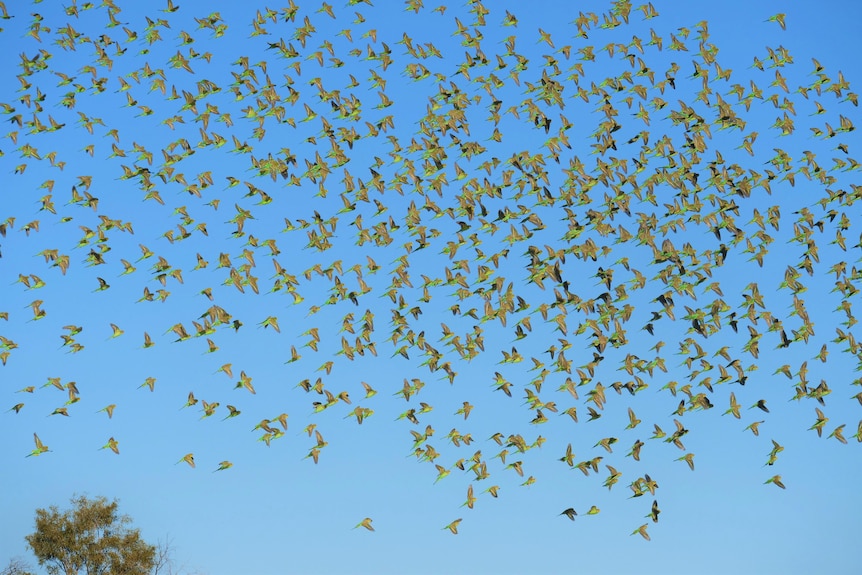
pixel 821 421
pixel 654 511
pixel 734 407
pixel 109 409
pixel 780 19
pixel 471 499
pixel 776 480
pixel 568 458
pixel 272 322
pixel 773 455
pixel 369 391
pixel 754 427
pixel 635 452
pixel 570 513
pixel 149 382
pixel 761 405
pixel 643 531
pixel 465 410
pixel 188 458
pixel 453 527
pixel 192 400
pixel 113 445
pixel 688 458
pixel 633 420
pixel 223 465
pixel 40 447
pixel 441 472
pixel 365 523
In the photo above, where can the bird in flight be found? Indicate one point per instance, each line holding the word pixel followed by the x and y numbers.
pixel 642 530
pixel 365 523
pixel 40 447
pixel 779 19
pixel 453 527
pixel 188 458
pixel 113 445
pixel 775 480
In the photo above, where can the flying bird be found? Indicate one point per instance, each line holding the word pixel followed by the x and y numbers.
pixel 775 480
pixel 780 19
pixel 113 445
pixel 188 458
pixel 365 523
pixel 642 530
pixel 40 447
pixel 453 527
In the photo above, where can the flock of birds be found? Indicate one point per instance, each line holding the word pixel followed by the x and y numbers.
pixel 509 231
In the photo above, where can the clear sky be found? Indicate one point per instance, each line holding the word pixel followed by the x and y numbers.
pixel 394 195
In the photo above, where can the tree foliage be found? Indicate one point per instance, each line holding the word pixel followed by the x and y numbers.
pixel 91 538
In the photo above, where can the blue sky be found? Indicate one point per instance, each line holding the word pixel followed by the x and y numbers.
pixel 276 511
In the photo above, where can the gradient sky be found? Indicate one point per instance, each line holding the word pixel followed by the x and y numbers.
pixel 274 510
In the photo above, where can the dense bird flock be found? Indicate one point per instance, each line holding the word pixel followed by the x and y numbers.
pixel 578 241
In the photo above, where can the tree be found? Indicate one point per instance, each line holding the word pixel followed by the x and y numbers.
pixel 16 566
pixel 164 563
pixel 90 538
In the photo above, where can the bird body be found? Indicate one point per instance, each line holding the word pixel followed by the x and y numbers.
pixel 775 480
pixel 365 523
pixel 642 531
pixel 113 445
pixel 453 526
pixel 40 447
